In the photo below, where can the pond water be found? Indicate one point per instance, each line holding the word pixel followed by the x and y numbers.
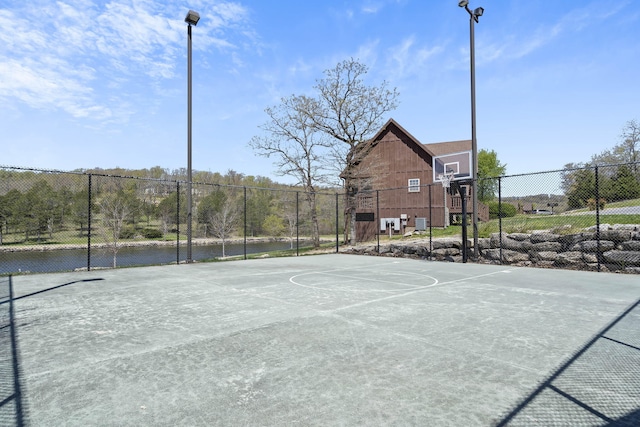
pixel 71 259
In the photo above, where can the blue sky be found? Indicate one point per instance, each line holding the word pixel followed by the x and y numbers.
pixel 87 83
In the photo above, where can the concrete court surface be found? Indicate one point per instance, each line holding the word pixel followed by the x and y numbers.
pixel 328 340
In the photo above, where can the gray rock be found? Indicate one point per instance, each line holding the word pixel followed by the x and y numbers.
pixel 615 235
pixel 570 258
pixel 515 245
pixel 631 245
pixel 547 247
pixel 514 257
pixel 495 239
pixel 442 252
pixel 544 237
pixel 484 243
pixel 625 258
pixel 447 243
pixel 626 227
pixel 569 240
pixel 543 256
pixel 592 246
pixel 520 237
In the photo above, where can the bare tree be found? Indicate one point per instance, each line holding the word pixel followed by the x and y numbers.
pixel 627 151
pixel 312 136
pixel 298 147
pixel 351 112
pixel 630 145
pixel 222 223
pixel 114 209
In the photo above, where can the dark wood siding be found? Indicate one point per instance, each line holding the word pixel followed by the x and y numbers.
pixel 395 159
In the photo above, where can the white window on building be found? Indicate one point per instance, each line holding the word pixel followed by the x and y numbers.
pixel 414 185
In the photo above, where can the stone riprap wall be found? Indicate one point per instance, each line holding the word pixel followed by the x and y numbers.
pixel 618 249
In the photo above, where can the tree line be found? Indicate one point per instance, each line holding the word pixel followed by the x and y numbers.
pixel 616 172
pixel 39 207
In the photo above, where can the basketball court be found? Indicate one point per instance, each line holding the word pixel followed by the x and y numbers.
pixel 326 340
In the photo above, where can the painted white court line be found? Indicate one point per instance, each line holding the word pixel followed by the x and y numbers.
pixel 450 282
pixel 333 273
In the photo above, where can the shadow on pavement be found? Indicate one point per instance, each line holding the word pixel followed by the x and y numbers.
pixel 12 408
pixel 52 288
pixel 599 385
pixel 12 411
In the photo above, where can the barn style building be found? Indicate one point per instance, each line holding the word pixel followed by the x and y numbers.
pixel 395 189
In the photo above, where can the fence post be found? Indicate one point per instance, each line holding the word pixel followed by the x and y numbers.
pixel 297 225
pixel 178 222
pixel 430 223
pixel 245 222
pixel 500 216
pixel 89 225
pixel 378 219
pixel 462 190
pixel 598 217
pixel 337 226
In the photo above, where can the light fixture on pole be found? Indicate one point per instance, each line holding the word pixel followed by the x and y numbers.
pixel 473 17
pixel 192 18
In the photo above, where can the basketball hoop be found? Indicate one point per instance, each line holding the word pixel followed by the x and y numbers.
pixel 446 179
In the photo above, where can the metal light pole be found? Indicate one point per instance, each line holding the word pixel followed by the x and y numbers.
pixel 473 18
pixel 191 19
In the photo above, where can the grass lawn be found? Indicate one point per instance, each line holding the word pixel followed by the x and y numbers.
pixel 559 223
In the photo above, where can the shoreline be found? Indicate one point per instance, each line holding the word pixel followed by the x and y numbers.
pixel 142 243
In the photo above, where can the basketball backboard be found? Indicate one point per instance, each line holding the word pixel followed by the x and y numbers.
pixel 457 166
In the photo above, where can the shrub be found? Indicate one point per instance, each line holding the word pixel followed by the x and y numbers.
pixel 591 204
pixel 127 233
pixel 508 210
pixel 152 233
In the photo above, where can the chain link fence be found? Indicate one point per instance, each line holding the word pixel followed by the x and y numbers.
pixel 587 219
pixel 63 221
pixel 584 218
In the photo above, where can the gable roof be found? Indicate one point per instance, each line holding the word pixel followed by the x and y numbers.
pixel 426 151
pixel 416 145
pixel 440 148
pixel 433 149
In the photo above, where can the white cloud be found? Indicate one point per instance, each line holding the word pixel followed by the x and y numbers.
pixel 367 53
pixel 407 59
pixel 69 51
pixel 371 7
pixel 527 42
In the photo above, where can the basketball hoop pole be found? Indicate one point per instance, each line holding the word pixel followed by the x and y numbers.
pixel 474 143
pixel 473 17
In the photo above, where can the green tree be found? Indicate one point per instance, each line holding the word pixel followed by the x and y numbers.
pixel 579 187
pixel 488 167
pixel 40 210
pixel 134 204
pixel 259 200
pixel 504 210
pixel 10 207
pixel 274 225
pixel 8 211
pixel 167 211
pixel 65 200
pixel 208 207
pixel 80 209
pixel 622 186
